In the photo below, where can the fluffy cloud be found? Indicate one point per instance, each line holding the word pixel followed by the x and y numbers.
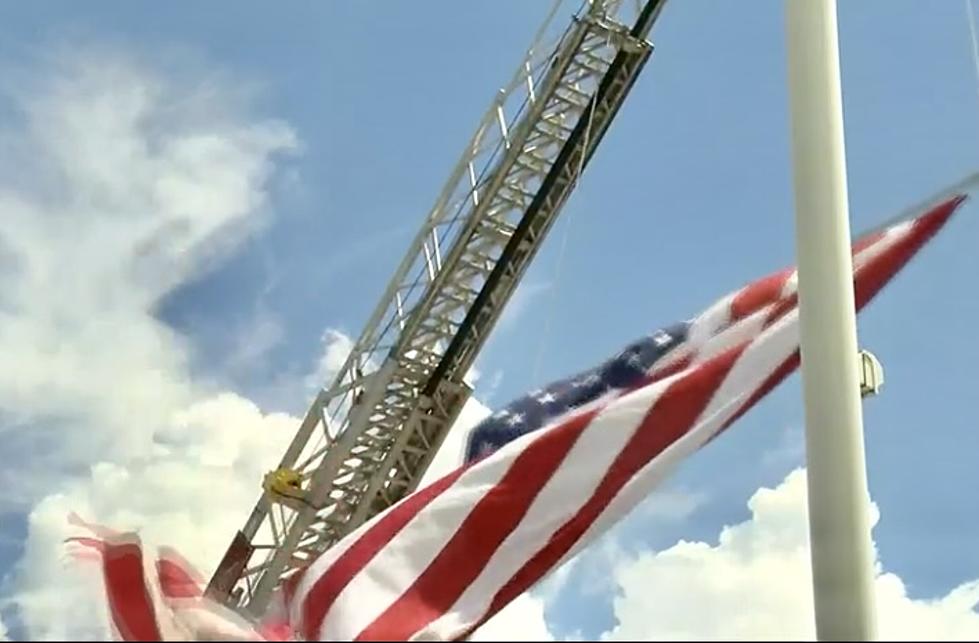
pixel 192 493
pixel 119 182
pixel 336 347
pixel 521 620
pixel 756 584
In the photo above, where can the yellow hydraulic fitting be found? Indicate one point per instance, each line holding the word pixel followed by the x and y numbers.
pixel 284 482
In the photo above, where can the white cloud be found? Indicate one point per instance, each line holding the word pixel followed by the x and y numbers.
pixel 521 620
pixel 756 584
pixel 336 347
pixel 120 182
pixel 192 493
pixel 135 182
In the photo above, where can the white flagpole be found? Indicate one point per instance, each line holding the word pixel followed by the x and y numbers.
pixel 839 525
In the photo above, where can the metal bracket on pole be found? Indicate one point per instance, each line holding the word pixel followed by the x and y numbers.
pixel 871 374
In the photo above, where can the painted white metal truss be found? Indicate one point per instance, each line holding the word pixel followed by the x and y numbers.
pixel 369 436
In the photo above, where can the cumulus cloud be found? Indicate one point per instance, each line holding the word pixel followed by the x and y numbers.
pixel 191 493
pixel 119 183
pixel 336 347
pixel 521 620
pixel 755 583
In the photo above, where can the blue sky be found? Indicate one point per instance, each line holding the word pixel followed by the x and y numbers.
pixel 688 197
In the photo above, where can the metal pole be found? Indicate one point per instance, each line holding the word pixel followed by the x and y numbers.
pixel 839 526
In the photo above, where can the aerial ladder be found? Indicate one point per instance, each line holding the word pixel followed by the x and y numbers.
pixel 369 436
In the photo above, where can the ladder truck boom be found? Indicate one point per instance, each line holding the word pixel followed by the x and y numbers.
pixel 368 437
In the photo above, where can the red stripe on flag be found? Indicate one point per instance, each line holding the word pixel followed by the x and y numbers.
pixel 492 519
pixel 130 604
pixel 334 579
pixel 176 581
pixel 670 369
pixel 758 294
pixel 874 277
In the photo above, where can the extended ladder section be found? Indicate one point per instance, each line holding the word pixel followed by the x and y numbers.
pixel 369 437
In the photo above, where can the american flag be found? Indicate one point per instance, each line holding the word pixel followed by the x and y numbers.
pixel 556 469
pixel 533 491
pixel 154 594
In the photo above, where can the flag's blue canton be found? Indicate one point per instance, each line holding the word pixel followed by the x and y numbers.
pixel 533 411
